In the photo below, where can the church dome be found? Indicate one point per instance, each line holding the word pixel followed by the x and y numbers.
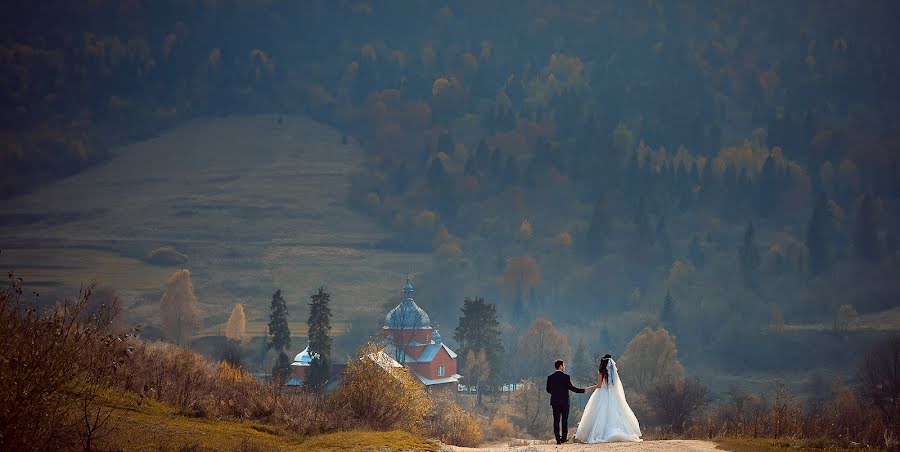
pixel 303 358
pixel 407 315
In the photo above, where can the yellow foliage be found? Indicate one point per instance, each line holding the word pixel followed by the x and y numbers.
pixel 425 220
pixel 500 427
pixel 448 422
pixel 236 327
pixel 428 56
pixel 486 50
pixel 680 274
pixel 368 53
pixel 215 57
pixel 439 86
pixel 650 358
pixel 382 396
pixel 525 230
pixel 169 43
pixel 448 249
pixel 470 63
pixel 563 239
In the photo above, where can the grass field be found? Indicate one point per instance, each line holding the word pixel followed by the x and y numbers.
pixel 254 204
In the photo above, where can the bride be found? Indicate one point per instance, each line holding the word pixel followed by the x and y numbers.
pixel 607 416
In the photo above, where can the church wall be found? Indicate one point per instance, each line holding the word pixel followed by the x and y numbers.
pixel 441 359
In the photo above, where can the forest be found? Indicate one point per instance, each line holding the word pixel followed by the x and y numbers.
pixel 725 171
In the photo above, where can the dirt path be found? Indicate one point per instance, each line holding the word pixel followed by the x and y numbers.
pixel 544 446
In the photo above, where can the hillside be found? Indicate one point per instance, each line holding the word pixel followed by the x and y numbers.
pixel 255 204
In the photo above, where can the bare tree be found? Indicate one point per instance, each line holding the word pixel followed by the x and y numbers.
pixel 676 401
pixel 880 378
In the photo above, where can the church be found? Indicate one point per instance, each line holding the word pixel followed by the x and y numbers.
pixel 414 343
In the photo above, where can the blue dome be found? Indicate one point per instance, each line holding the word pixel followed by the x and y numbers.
pixel 407 315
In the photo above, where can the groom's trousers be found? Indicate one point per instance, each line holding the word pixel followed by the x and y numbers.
pixel 560 412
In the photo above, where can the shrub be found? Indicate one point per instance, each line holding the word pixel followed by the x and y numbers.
pixel 532 412
pixel 380 396
pixel 501 428
pixel 54 364
pixel 452 424
pixel 166 255
pixel 677 401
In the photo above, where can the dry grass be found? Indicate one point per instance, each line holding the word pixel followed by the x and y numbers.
pixel 361 441
pixel 152 426
pixel 745 444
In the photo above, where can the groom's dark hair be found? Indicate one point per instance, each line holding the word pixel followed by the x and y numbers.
pixel 558 364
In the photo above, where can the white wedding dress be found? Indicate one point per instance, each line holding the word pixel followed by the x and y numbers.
pixel 607 417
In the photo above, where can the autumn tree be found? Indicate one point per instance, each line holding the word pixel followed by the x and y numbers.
pixel 542 344
pixel 279 336
pixel 179 312
pixel 479 330
pixel 521 275
pixel 477 370
pixel 319 323
pixel 650 357
pixel 235 329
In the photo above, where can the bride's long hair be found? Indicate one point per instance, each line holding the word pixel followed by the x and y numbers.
pixel 604 363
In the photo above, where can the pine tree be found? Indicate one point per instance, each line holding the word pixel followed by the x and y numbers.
pixel 436 173
pixel 279 336
pixel 667 315
pixel 319 323
pixel 767 187
pixel 281 371
pixel 865 233
pixel 818 237
pixel 479 329
pixel 749 256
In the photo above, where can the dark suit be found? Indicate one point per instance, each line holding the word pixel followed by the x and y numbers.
pixel 558 385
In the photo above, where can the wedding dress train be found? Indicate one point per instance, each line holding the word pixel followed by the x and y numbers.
pixel 607 417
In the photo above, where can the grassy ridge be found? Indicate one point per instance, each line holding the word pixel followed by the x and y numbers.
pixel 148 425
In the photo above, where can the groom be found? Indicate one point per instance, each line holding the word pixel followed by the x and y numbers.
pixel 558 385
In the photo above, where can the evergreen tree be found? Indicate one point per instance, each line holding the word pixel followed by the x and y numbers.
pixel 865 232
pixel 437 173
pixel 767 187
pixel 578 361
pixel 470 169
pixel 445 144
pixel 818 237
pixel 749 256
pixel 667 315
pixel 279 336
pixel 479 329
pixel 319 323
pixel 281 371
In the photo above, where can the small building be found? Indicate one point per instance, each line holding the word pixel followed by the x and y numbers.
pixel 300 367
pixel 412 342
